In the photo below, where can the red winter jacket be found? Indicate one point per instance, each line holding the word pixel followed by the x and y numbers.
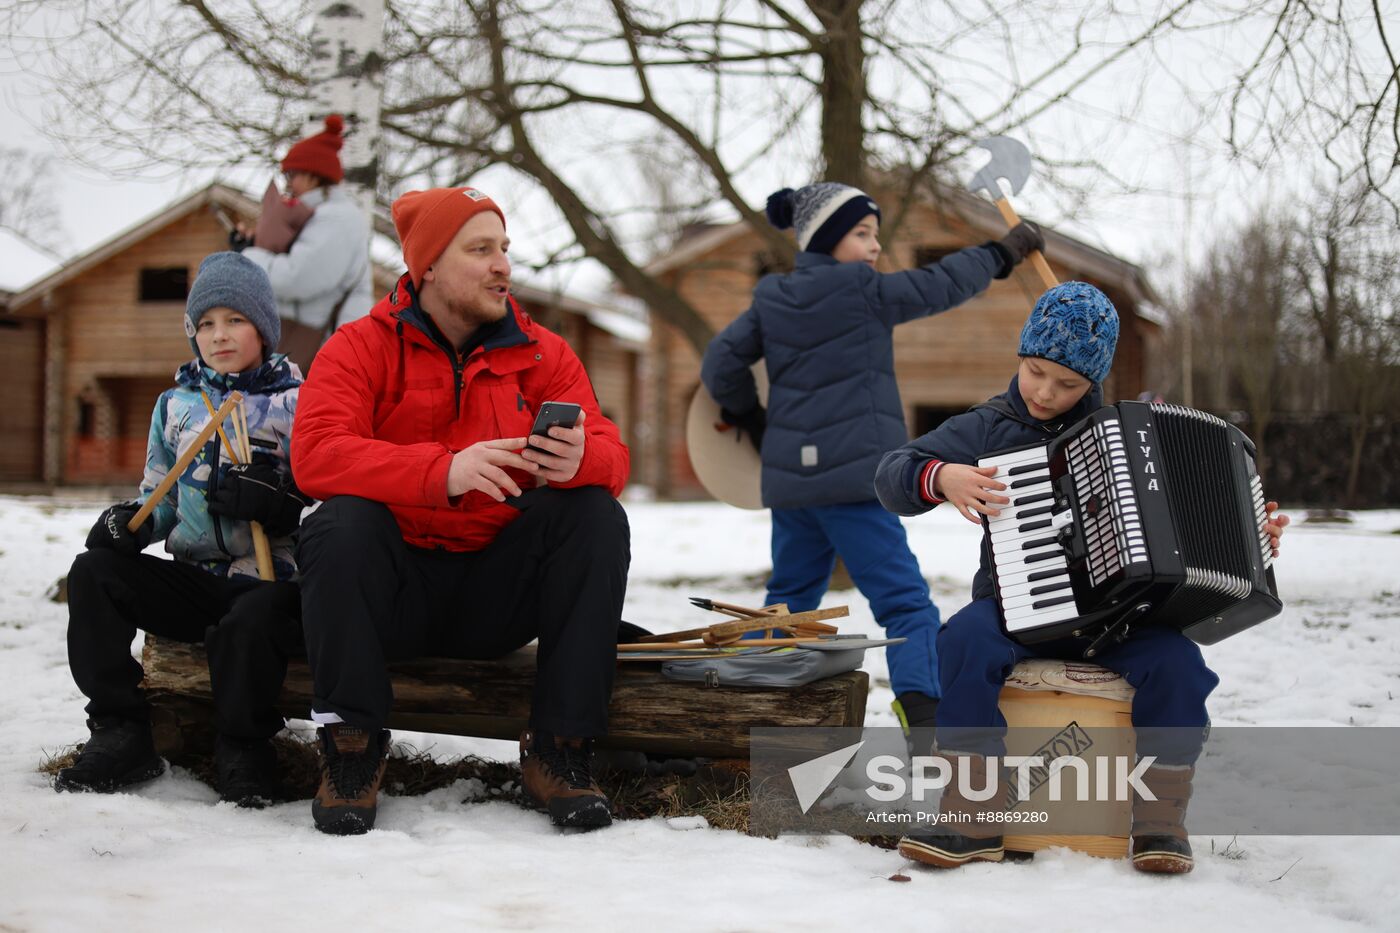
pixel 379 418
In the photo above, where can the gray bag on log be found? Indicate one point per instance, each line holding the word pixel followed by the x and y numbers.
pixel 792 667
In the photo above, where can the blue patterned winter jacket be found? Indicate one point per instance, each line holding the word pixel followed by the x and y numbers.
pixel 222 546
pixel 825 333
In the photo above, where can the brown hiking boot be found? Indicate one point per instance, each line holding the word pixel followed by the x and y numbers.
pixel 1160 844
pixel 963 837
pixel 557 774
pixel 352 765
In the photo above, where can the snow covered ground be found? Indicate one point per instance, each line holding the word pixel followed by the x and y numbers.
pixel 170 856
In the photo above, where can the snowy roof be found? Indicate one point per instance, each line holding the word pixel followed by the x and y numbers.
pixel 215 194
pixel 20 264
pixel 620 325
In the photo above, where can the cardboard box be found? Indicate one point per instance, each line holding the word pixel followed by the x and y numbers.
pixel 1054 708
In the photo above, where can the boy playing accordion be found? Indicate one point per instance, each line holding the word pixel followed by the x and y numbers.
pixel 1066 351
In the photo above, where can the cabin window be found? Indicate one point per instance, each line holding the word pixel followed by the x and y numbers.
pixel 928 417
pixel 87 419
pixel 165 284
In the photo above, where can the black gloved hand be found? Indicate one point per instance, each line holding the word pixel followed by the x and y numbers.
pixel 237 241
pixel 1024 239
pixel 752 422
pixel 259 492
pixel 110 531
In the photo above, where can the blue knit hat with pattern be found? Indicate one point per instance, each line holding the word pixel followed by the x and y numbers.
pixel 232 280
pixel 1073 324
pixel 821 214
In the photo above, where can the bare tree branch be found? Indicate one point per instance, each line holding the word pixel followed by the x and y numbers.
pixel 590 101
pixel 26 210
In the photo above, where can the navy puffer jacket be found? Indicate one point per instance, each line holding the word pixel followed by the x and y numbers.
pixel 824 331
pixel 1001 423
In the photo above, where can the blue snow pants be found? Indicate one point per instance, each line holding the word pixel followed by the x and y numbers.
pixel 875 550
pixel 1164 666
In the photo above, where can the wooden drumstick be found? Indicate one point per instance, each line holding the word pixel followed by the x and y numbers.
pixel 183 461
pixel 262 550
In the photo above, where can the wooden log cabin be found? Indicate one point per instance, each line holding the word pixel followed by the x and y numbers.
pixel 944 364
pixel 85 349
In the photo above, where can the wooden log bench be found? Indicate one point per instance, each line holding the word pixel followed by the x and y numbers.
pixel 491 699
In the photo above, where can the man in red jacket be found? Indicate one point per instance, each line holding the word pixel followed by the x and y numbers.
pixel 441 533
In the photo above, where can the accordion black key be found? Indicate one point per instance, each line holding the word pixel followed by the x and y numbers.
pixel 1141 514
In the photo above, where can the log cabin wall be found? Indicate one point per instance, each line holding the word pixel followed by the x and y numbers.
pixel 124 345
pixel 613 368
pixel 22 388
pixel 613 365
pixel 944 364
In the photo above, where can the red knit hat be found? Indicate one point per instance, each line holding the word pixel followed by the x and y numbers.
pixel 428 220
pixel 317 154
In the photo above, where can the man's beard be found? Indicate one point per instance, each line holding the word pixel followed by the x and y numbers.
pixel 477 312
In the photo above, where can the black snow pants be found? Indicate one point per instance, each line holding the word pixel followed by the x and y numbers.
pixel 557 573
pixel 249 627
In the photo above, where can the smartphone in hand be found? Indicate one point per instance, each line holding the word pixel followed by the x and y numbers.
pixel 563 414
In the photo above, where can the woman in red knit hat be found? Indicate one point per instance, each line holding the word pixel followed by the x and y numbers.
pixel 324 279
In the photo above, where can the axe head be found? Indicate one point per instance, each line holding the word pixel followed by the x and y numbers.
pixel 1011 160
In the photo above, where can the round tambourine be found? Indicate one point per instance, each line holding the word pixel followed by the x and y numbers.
pixel 724 459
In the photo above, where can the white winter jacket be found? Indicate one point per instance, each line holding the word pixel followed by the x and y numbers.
pixel 329 258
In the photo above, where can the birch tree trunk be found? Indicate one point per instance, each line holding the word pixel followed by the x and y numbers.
pixel 347 77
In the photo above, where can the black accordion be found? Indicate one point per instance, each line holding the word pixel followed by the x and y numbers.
pixel 1141 514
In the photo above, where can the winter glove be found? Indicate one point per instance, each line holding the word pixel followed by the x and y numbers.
pixel 259 492
pixel 752 422
pixel 1024 239
pixel 110 531
pixel 238 241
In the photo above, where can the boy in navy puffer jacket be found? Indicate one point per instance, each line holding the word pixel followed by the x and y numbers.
pixel 211 591
pixel 1066 350
pixel 825 332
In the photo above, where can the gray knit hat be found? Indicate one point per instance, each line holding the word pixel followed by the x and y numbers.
pixel 821 214
pixel 1073 324
pixel 232 280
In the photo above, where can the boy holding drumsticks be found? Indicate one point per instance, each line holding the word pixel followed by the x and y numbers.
pixel 212 590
